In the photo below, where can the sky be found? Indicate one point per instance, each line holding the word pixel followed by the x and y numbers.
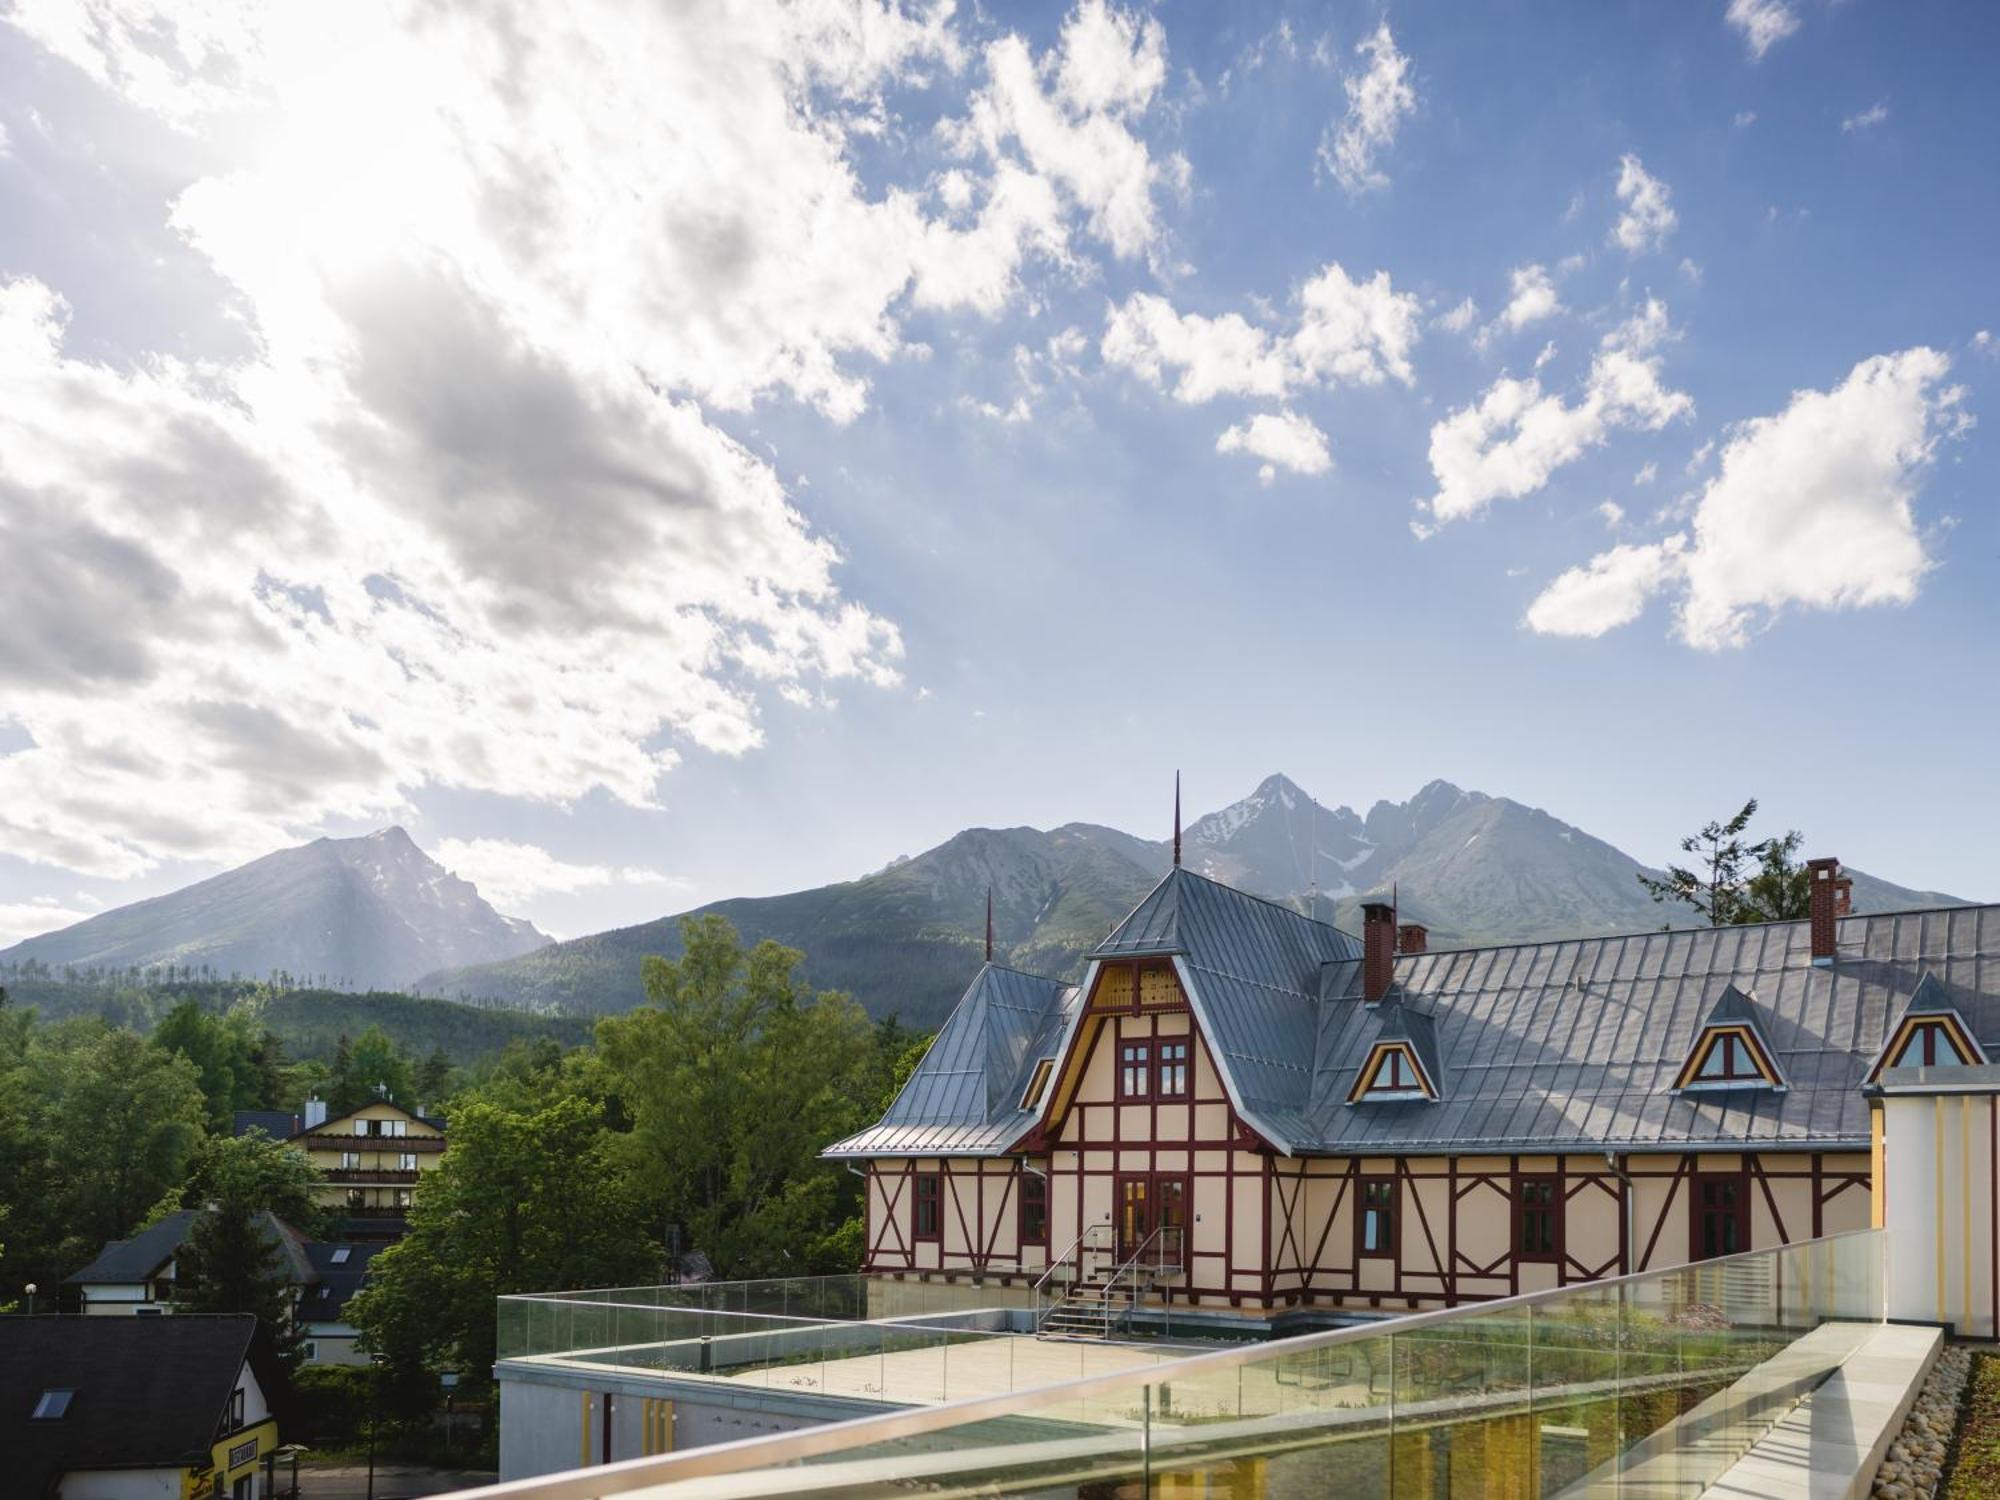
pixel 657 453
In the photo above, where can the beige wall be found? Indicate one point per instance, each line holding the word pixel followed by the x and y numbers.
pixel 378 1174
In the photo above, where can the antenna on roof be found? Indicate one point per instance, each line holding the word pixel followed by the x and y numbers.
pixel 989 924
pixel 1177 820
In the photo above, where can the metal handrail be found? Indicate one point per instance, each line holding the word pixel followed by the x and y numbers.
pixel 1073 1253
pixel 771 1451
pixel 1137 1261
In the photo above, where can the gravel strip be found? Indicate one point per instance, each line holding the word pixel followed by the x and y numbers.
pixel 1915 1461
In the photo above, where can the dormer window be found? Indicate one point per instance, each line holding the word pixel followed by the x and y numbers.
pixel 1038 1083
pixel 1729 1057
pixel 1391 1072
pixel 1932 1034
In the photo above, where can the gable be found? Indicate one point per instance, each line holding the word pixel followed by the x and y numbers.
pixel 1392 1071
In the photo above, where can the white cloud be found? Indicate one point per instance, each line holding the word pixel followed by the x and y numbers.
pixel 1607 592
pixel 1983 342
pixel 25 919
pixel 1647 474
pixel 1459 318
pixel 1612 513
pixel 1284 440
pixel 511 874
pixel 1867 120
pixel 462 520
pixel 6 146
pixel 1531 298
pixel 1509 442
pixel 1764 23
pixel 1379 98
pixel 1744 119
pixel 1648 216
pixel 1347 332
pixel 1064 124
pixel 1811 507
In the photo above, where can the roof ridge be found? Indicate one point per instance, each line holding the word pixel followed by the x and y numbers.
pixel 1630 932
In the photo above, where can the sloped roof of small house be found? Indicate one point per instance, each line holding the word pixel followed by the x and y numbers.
pixel 135 1259
pixel 1560 1045
pixel 964 1097
pixel 148 1392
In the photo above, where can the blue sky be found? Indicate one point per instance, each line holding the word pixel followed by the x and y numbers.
pixel 716 453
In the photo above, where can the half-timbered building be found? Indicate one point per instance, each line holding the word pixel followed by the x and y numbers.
pixel 1292 1116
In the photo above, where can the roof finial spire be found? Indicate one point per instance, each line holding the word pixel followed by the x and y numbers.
pixel 1177 820
pixel 989 924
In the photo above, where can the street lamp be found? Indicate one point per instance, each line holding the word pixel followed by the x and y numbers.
pixel 31 1299
pixel 449 1380
pixel 374 1416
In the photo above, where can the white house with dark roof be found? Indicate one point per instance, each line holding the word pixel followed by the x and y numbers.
pixel 1265 1113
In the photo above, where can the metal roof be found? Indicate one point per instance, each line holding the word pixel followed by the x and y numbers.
pixel 964 1097
pixel 1570 1045
pixel 128 1261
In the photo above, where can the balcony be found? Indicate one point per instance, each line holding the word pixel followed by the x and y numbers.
pixel 349 1211
pixel 385 1176
pixel 321 1140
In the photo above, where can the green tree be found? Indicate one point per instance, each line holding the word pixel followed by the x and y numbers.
pixel 118 1121
pixel 223 1050
pixel 433 1079
pixel 257 1171
pixel 372 1067
pixel 528 1198
pixel 735 1076
pixel 1740 880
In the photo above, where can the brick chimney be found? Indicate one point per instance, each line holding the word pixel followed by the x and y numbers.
pixel 1378 949
pixel 1831 895
pixel 1412 937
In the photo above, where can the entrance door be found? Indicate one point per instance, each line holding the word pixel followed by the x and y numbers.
pixel 1135 1213
pixel 1148 1202
pixel 1721 1215
pixel 1170 1197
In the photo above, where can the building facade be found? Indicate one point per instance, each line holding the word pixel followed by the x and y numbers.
pixel 1272 1114
pixel 369 1161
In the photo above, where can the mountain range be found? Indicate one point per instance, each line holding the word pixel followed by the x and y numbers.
pixel 377 912
pixel 905 939
pixel 367 913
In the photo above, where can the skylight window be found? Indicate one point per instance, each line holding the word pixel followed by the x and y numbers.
pixel 340 1255
pixel 54 1404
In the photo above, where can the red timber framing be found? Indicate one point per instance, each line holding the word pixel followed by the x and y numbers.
pixel 1267 1231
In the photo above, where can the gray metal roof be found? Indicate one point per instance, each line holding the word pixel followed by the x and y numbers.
pixel 964 1098
pixel 1570 1044
pixel 1576 1044
pixel 129 1261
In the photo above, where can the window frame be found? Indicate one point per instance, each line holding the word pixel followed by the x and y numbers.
pixel 1549 1211
pixel 1930 1033
pixel 1392 1209
pixel 1038 1083
pixel 1024 1231
pixel 927 1191
pixel 1181 1067
pixel 1135 1070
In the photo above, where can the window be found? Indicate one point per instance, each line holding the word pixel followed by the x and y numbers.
pixel 1730 1059
pixel 1392 1074
pixel 361 1127
pixel 54 1404
pixel 1721 1221
pixel 1537 1204
pixel 402 1197
pixel 341 1254
pixel 1038 1083
pixel 398 1128
pixel 350 1161
pixel 356 1198
pixel 407 1161
pixel 929 1207
pixel 1932 1044
pixel 1375 1226
pixel 309 1351
pixel 1135 1066
pixel 1173 1074
pixel 233 1419
pixel 1034 1209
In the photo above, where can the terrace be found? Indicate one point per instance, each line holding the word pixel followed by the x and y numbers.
pixel 1651 1385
